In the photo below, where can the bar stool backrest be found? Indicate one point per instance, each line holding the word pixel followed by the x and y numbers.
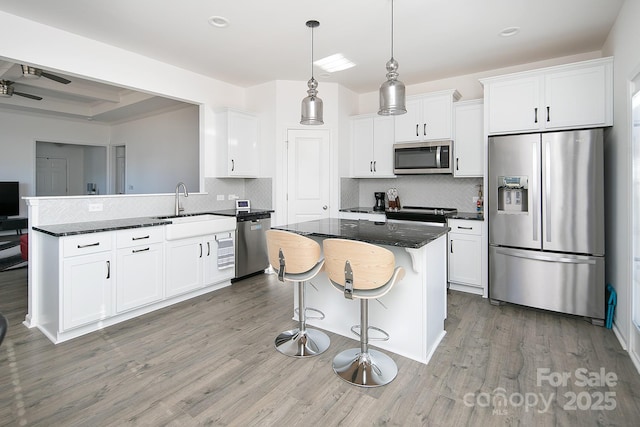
pixel 301 253
pixel 372 265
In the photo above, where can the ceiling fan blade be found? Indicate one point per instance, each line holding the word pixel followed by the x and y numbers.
pixel 56 78
pixel 26 95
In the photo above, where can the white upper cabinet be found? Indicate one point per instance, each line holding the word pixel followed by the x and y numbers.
pixel 570 96
pixel 468 139
pixel 236 145
pixel 372 149
pixel 428 117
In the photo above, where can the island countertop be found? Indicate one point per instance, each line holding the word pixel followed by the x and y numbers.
pixel 404 235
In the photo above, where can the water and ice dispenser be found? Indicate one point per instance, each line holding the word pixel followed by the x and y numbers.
pixel 513 194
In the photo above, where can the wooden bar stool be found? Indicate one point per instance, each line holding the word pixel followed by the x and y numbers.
pixel 297 259
pixel 364 271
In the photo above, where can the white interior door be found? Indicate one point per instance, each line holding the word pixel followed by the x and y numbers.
pixel 308 186
pixel 51 177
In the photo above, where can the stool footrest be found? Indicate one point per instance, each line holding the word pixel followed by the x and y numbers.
pixel 307 309
pixel 356 330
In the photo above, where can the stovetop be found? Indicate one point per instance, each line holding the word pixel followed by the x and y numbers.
pixel 421 213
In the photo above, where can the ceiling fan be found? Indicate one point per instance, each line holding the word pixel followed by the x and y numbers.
pixel 7 91
pixel 35 73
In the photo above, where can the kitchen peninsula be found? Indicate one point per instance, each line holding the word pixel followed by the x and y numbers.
pixel 413 312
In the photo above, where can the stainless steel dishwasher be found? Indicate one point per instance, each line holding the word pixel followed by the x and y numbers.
pixel 251 243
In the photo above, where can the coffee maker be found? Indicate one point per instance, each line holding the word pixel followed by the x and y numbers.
pixel 379 206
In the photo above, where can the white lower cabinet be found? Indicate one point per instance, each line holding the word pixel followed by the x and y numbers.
pixel 86 289
pixel 140 272
pixel 184 265
pixel 93 280
pixel 465 255
pixel 193 263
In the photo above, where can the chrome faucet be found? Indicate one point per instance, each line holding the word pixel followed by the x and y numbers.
pixel 186 194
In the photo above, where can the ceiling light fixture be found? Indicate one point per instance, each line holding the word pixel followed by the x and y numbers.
pixel 509 32
pixel 312 105
pixel 334 63
pixel 392 92
pixel 218 21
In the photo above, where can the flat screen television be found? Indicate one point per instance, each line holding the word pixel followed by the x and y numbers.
pixel 9 199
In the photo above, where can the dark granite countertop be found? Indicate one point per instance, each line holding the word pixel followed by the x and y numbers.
pixel 390 234
pixel 362 209
pixel 61 230
pixel 233 212
pixel 473 216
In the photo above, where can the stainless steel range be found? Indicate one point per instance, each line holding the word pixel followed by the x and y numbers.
pixel 431 215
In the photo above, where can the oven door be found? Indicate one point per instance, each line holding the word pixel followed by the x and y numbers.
pixel 422 157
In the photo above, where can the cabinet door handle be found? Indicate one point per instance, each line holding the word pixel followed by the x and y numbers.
pixel 200 250
pixel 108 269
pixel 370 166
pixel 535 111
pixel 140 238
pixel 465 228
pixel 208 249
pixel 233 165
pixel 451 246
pixel 457 164
pixel 548 116
pixel 135 251
pixel 89 245
pixel 417 127
pixel 424 130
pixel 374 166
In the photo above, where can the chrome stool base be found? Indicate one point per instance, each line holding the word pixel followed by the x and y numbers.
pixel 308 343
pixel 372 369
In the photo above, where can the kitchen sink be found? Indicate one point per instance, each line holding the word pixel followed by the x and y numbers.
pixel 182 227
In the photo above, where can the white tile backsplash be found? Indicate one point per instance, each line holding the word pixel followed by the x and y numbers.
pixel 417 190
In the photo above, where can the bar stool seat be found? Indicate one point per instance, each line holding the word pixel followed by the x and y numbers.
pixel 297 259
pixel 363 271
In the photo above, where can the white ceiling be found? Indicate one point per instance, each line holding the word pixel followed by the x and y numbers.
pixel 268 40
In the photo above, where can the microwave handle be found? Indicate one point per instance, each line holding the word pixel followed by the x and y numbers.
pixel 438 156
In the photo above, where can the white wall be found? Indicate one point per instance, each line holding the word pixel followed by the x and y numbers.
pixel 161 151
pixel 18 145
pixel 623 44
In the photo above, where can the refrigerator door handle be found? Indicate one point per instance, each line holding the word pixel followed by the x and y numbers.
pixel 534 191
pixel 547 192
pixel 557 258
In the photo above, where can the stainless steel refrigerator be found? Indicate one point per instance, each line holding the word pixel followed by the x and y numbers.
pixel 545 201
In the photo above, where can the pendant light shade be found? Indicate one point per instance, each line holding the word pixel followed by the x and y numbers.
pixel 392 92
pixel 312 105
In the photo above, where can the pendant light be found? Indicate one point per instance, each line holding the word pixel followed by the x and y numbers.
pixel 312 105
pixel 392 98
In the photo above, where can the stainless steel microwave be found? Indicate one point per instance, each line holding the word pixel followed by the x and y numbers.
pixel 423 157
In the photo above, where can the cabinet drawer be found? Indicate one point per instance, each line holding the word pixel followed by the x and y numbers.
pixel 139 236
pixel 462 226
pixel 90 243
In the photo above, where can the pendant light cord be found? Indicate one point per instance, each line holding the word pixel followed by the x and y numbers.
pixel 392 28
pixel 312 52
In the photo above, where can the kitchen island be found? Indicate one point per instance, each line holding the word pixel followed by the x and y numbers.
pixel 413 312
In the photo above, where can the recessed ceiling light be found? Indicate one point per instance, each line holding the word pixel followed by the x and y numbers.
pixel 218 21
pixel 509 32
pixel 334 63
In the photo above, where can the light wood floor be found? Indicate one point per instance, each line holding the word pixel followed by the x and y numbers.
pixel 211 361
